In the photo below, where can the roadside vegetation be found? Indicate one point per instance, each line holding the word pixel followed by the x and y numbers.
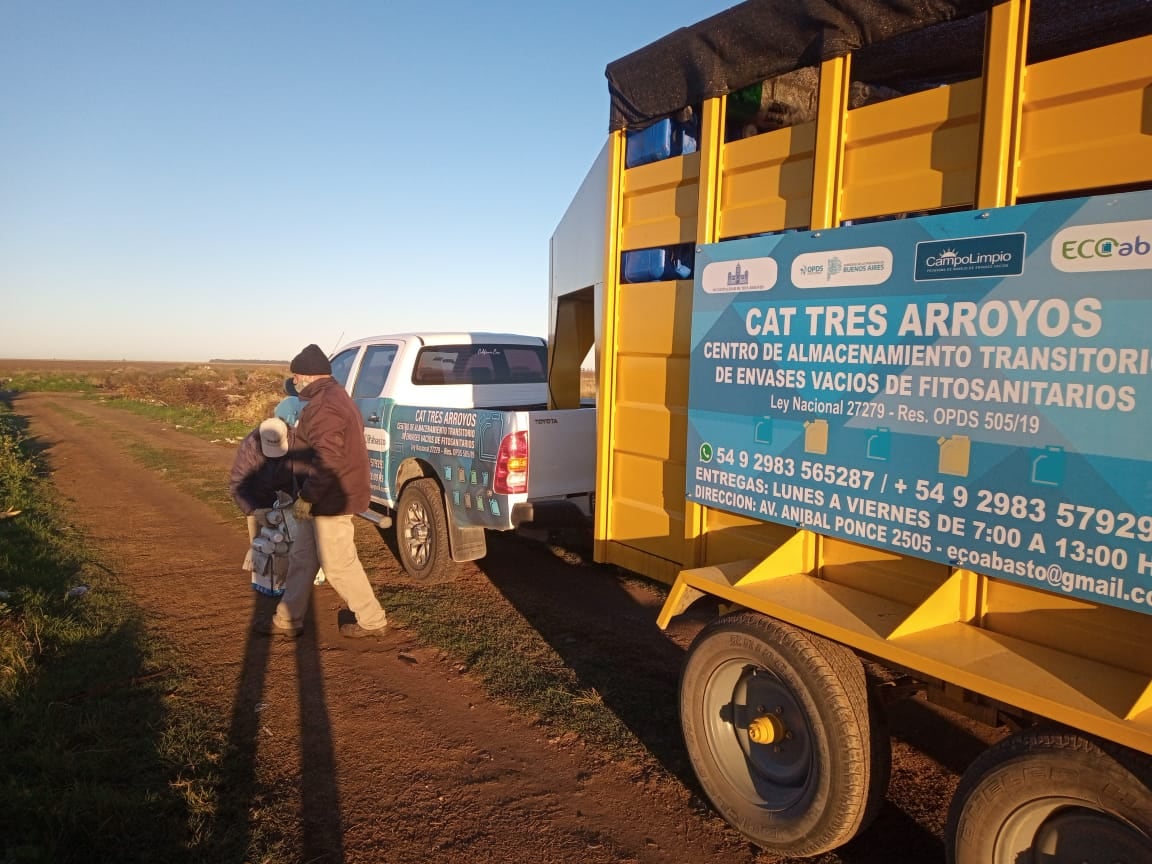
pixel 210 400
pixel 106 756
pixel 105 741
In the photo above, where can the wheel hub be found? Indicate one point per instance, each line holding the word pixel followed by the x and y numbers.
pixel 1079 836
pixel 766 729
pixel 759 736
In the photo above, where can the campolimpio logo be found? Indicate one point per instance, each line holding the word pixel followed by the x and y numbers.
pixel 970 257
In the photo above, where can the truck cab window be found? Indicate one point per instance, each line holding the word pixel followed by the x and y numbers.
pixel 481 364
pixel 374 370
pixel 342 365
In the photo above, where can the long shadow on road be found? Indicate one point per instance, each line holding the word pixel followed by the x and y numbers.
pixel 319 818
pixel 290 805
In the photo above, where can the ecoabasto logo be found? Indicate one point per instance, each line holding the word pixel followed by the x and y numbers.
pixel 1104 246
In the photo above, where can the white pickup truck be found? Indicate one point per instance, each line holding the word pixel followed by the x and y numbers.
pixel 460 442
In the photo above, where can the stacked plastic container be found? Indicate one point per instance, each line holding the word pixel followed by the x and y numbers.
pixel 661 140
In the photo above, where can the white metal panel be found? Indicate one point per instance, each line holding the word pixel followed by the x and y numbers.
pixel 561 452
pixel 576 250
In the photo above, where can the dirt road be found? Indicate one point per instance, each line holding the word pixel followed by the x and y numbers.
pixel 385 751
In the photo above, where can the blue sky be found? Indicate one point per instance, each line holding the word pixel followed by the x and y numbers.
pixel 237 178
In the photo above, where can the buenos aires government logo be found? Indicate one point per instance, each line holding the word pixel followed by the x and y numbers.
pixel 746 274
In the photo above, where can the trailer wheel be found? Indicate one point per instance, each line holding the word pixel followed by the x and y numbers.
pixel 422 532
pixel 1052 797
pixel 782 733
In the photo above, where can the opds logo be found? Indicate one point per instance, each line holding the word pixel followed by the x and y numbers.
pixel 1104 246
pixel 866 265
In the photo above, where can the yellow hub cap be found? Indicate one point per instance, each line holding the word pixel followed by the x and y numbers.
pixel 766 729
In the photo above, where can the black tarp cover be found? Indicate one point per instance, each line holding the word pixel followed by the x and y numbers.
pixel 760 39
pixel 756 40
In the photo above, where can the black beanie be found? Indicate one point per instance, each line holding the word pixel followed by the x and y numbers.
pixel 311 361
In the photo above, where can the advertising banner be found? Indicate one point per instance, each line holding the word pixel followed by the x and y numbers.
pixel 971 388
pixel 461 444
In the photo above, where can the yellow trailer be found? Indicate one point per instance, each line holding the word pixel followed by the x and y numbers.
pixel 847 247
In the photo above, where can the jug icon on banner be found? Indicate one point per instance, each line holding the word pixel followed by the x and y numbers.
pixel 954 455
pixel 763 431
pixel 816 437
pixel 879 444
pixel 1047 466
pixel 491 429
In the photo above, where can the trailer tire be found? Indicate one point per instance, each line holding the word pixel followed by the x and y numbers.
pixel 422 532
pixel 1054 797
pixel 818 771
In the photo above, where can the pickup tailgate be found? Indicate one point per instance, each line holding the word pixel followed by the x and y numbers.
pixel 561 452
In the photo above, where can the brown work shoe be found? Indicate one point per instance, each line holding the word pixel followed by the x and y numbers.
pixel 271 628
pixel 354 631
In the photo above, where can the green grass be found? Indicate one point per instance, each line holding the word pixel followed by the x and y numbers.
pixel 54 382
pixel 213 400
pixel 18 470
pixel 201 422
pixel 107 754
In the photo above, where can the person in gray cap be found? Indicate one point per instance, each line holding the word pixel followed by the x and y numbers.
pixel 260 469
pixel 264 467
pixel 337 486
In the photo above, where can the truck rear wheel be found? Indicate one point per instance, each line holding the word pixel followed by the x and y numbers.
pixel 783 734
pixel 422 532
pixel 1052 797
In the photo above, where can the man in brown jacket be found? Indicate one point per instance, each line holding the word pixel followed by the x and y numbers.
pixel 331 433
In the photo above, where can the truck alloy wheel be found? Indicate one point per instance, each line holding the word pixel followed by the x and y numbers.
pixel 422 533
pixel 782 733
pixel 1052 797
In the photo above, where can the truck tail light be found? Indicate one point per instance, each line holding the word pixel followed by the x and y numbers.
pixel 512 464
